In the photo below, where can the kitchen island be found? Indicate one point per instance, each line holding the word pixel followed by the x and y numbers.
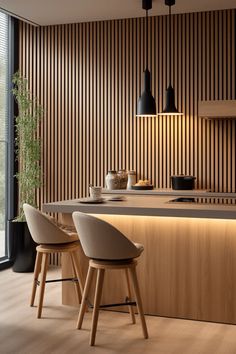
pixel 188 268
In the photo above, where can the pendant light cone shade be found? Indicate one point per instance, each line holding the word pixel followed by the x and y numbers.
pixel 170 108
pixel 146 104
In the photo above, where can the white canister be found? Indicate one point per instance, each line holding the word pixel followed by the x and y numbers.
pixel 112 180
pixel 131 179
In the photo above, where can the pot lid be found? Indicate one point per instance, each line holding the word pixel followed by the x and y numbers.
pixel 183 176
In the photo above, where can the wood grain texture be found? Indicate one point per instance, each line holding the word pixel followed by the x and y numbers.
pixel 187 269
pixel 88 77
pixel 55 332
pixel 217 109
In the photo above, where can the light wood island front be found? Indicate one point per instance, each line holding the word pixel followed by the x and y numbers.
pixel 188 267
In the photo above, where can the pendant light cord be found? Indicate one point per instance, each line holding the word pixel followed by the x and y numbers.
pixel 146 39
pixel 170 59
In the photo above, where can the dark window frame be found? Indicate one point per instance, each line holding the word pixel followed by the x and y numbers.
pixel 11 165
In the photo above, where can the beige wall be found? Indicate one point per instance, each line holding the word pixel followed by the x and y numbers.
pixel 88 78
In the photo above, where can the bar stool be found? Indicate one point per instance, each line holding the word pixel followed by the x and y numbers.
pixel 51 239
pixel 107 248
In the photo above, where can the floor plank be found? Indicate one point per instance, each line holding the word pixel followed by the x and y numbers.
pixel 55 333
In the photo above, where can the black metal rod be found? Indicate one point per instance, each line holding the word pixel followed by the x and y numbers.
pixel 65 279
pixel 56 280
pixel 127 303
pixel 146 39
pixel 170 59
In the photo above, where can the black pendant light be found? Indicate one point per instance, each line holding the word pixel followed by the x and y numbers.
pixel 146 103
pixel 170 108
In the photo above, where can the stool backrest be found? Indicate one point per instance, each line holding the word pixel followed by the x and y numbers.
pixel 101 240
pixel 43 231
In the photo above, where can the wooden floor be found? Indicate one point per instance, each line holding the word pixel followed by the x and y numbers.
pixel 22 333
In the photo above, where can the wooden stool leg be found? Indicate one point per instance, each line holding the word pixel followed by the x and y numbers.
pixel 88 282
pixel 97 299
pixel 37 268
pixel 78 272
pixel 75 275
pixel 131 309
pixel 42 282
pixel 138 300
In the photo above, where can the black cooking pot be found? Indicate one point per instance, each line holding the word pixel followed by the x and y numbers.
pixel 182 182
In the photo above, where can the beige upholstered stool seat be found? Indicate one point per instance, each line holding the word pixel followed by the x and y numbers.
pixel 139 247
pixel 108 249
pixel 51 239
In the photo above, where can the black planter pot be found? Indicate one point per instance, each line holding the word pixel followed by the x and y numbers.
pixel 22 247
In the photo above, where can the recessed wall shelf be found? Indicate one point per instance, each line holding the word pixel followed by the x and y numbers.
pixel 220 109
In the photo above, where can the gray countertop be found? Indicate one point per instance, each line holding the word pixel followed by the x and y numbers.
pixel 147 205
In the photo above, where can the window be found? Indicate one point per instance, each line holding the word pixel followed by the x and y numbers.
pixel 4 54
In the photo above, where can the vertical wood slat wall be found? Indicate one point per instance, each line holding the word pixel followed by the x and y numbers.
pixel 88 78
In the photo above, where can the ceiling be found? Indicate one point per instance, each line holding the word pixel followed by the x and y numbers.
pixel 50 12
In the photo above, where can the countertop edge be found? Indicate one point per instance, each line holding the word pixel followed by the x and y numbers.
pixel 184 213
pixel 167 192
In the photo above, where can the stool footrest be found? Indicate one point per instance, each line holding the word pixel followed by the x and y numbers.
pixel 56 280
pixel 126 303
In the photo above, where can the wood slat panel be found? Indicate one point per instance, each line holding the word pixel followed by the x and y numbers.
pixel 88 78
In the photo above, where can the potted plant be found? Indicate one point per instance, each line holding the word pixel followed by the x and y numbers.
pixel 27 145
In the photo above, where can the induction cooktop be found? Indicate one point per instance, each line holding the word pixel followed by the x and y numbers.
pixel 204 200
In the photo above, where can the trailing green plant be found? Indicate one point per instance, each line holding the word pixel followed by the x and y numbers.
pixel 27 142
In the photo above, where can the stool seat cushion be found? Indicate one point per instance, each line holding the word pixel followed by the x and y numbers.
pixel 73 236
pixel 47 230
pixel 101 240
pixel 139 247
pixel 70 230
